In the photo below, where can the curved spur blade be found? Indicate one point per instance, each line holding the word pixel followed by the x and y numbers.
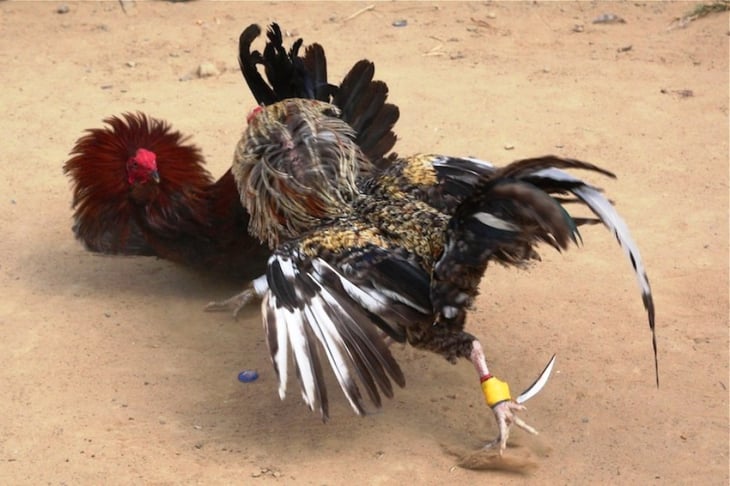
pixel 538 385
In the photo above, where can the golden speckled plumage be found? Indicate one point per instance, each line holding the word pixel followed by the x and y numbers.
pixel 419 170
pixel 340 238
pixel 400 223
pixel 405 222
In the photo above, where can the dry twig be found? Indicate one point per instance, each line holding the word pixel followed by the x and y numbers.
pixel 359 12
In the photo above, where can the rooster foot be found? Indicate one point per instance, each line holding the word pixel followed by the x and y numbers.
pixel 234 304
pixel 255 290
pixel 498 398
pixel 505 414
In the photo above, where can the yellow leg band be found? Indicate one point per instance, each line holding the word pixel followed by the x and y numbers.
pixel 495 391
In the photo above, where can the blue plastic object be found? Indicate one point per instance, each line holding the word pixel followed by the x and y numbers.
pixel 247 376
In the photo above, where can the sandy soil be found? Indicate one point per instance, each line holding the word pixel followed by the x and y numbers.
pixel 111 372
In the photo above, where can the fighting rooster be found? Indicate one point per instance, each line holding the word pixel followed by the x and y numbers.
pixel 399 255
pixel 140 188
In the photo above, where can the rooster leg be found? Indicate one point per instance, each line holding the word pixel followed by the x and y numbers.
pixel 497 395
pixel 235 303
pixel 255 290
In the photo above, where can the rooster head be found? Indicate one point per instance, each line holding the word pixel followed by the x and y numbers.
pixel 142 168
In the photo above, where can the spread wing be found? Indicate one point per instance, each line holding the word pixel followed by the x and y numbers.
pixel 340 305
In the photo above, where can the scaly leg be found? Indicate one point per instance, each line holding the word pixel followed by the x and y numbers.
pixel 498 397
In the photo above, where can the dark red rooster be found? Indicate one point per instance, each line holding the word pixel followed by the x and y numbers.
pixel 400 254
pixel 139 187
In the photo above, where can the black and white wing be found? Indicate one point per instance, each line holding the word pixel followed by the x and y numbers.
pixel 340 308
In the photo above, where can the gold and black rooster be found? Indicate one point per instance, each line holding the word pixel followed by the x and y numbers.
pixel 400 254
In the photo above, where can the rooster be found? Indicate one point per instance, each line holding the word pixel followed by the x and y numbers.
pixel 399 256
pixel 140 187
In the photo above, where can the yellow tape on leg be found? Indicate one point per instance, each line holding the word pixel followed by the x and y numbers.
pixel 495 391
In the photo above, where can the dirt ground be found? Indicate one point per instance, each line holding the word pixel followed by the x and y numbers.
pixel 111 372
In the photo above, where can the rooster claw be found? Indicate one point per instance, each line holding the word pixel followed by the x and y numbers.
pixel 234 304
pixel 505 413
pixel 254 290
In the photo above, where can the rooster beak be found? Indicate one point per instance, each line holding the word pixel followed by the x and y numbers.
pixel 155 176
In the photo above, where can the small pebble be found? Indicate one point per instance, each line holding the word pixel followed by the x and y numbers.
pixel 509 147
pixel 131 64
pixel 207 69
pixel 247 376
pixel 682 93
pixel 685 93
pixel 608 18
pixel 400 23
pixel 62 9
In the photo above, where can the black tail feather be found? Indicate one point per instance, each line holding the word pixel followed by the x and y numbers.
pixel 289 75
pixel 248 62
pixel 363 105
pixel 315 63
